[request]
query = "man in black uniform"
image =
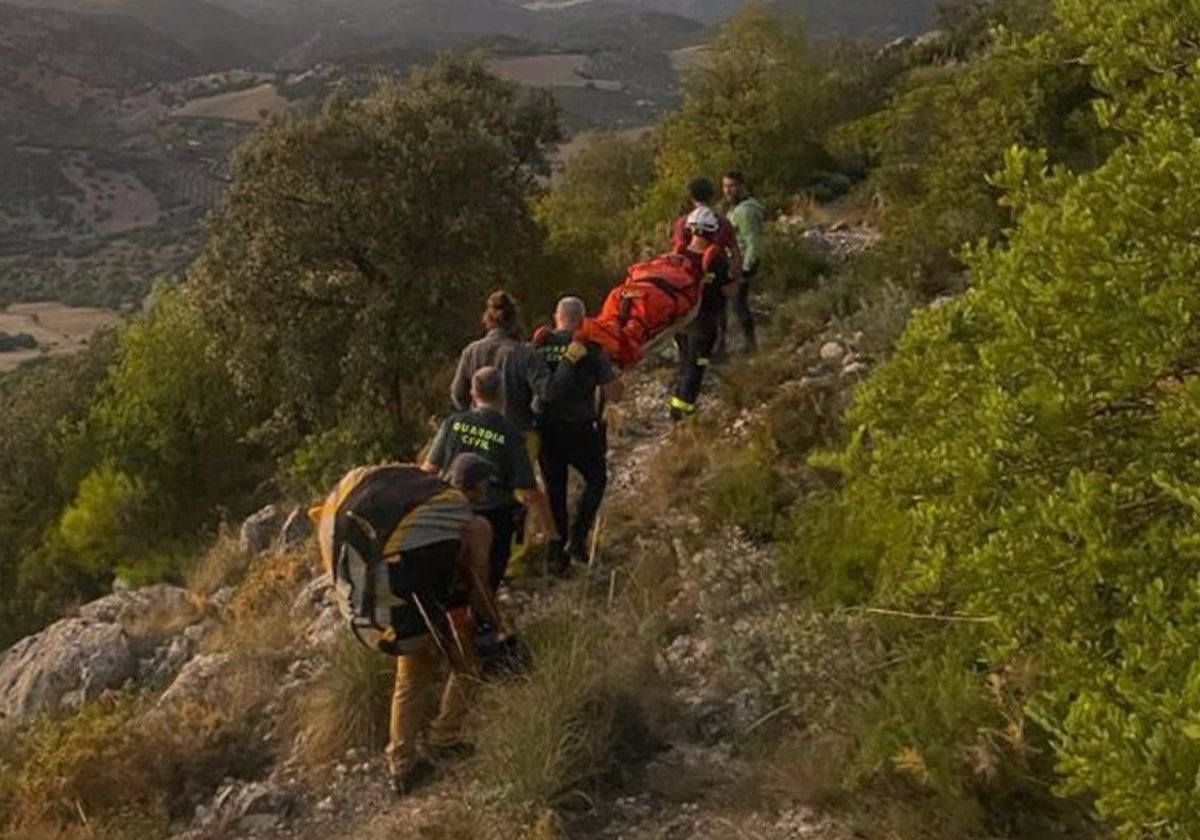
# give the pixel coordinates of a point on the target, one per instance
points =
(571, 427)
(485, 431)
(695, 344)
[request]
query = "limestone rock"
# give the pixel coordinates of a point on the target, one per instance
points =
(297, 527)
(248, 806)
(198, 679)
(147, 615)
(69, 662)
(259, 530)
(831, 351)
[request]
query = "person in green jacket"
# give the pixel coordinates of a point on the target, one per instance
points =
(746, 214)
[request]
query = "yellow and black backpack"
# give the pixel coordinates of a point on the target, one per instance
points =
(388, 600)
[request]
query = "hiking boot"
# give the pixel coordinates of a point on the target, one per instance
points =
(578, 555)
(446, 753)
(556, 558)
(417, 776)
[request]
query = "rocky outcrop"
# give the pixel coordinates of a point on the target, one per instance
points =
(274, 527)
(58, 669)
(129, 635)
(296, 528)
(314, 610)
(245, 807)
(260, 529)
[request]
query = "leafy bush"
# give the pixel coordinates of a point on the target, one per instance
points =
(588, 216)
(948, 127)
(743, 489)
(1023, 470)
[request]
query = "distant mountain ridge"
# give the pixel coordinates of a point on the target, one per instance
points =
(94, 50)
(851, 18)
(263, 34)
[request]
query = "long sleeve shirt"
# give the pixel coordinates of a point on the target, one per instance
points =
(748, 220)
(525, 373)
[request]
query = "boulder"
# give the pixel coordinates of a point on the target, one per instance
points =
(248, 806)
(147, 615)
(69, 662)
(197, 680)
(164, 663)
(296, 529)
(259, 530)
(315, 609)
(831, 351)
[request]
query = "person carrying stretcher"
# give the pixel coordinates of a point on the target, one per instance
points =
(657, 298)
(695, 343)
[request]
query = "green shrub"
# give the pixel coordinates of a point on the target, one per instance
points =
(743, 489)
(1022, 480)
(792, 266)
(120, 766)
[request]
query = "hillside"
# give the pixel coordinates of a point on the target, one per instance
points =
(218, 37)
(873, 19)
(117, 116)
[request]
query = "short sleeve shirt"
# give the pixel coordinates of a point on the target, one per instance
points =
(489, 434)
(576, 399)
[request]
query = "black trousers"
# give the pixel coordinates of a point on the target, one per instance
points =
(741, 309)
(582, 447)
(504, 522)
(695, 346)
(425, 575)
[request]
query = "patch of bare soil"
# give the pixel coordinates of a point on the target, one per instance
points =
(57, 328)
(551, 70)
(253, 105)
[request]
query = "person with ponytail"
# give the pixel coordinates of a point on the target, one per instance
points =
(527, 383)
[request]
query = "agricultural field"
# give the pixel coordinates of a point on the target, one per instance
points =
(253, 105)
(548, 70)
(57, 328)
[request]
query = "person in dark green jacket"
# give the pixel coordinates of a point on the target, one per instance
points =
(747, 215)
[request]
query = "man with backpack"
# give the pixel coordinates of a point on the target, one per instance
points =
(487, 432)
(407, 555)
(526, 381)
(746, 215)
(571, 425)
(695, 344)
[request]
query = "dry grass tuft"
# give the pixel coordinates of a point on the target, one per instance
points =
(346, 706)
(223, 564)
(260, 613)
(583, 709)
(123, 768)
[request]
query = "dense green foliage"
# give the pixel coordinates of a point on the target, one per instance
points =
(1024, 468)
(340, 274)
(335, 269)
